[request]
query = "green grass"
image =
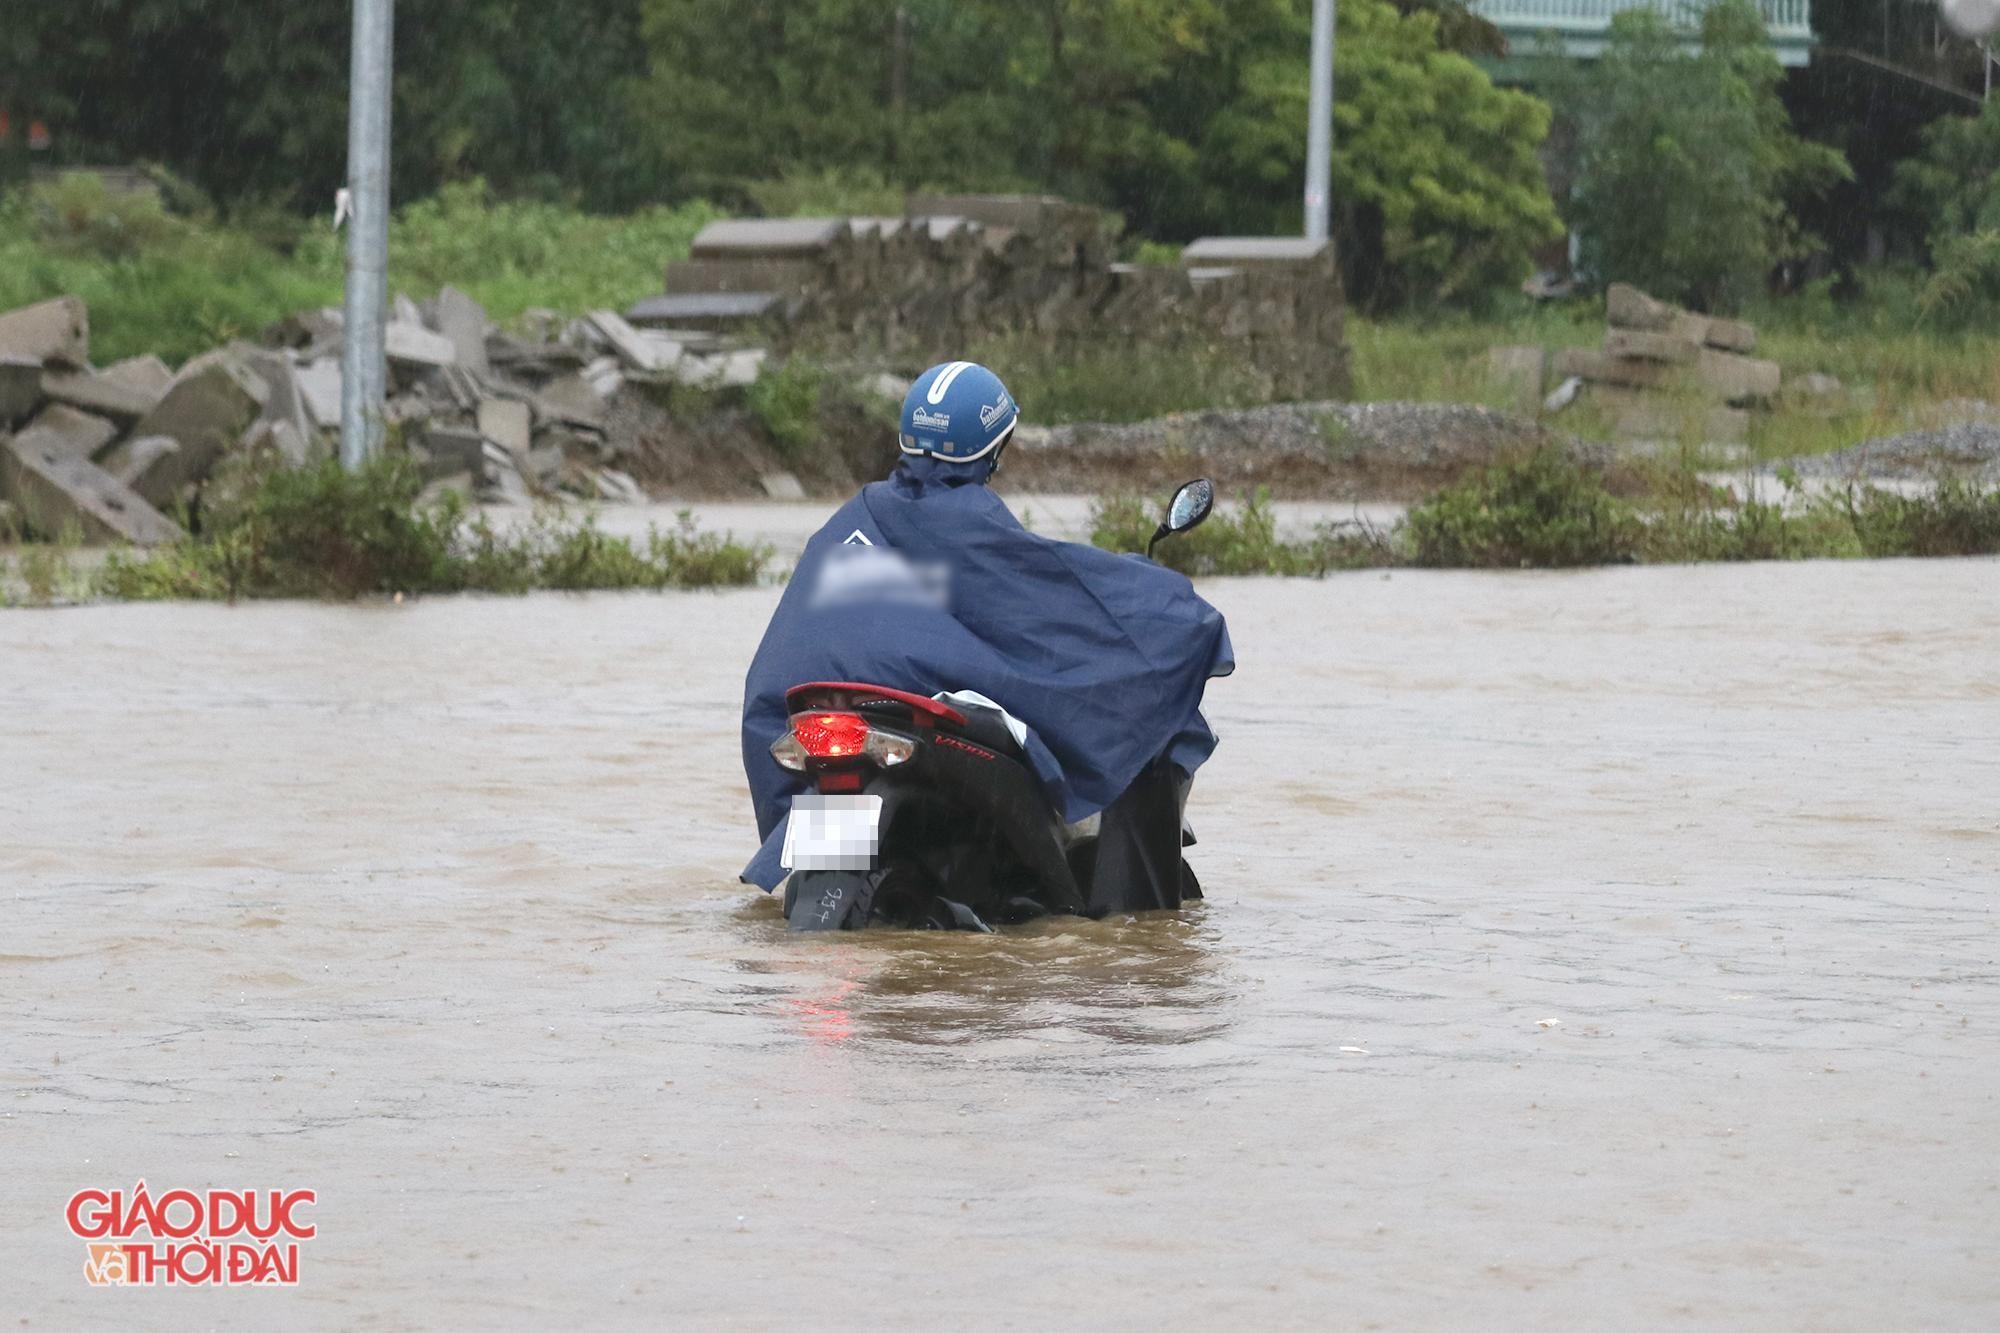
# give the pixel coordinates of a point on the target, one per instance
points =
(1116, 381)
(1543, 510)
(175, 286)
(1893, 363)
(322, 532)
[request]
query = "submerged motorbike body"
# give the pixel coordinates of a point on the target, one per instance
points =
(927, 814)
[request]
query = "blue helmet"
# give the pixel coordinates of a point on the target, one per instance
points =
(959, 412)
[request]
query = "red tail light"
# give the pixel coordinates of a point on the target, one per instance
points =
(831, 735)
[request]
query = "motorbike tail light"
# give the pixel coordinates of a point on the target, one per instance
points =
(839, 736)
(831, 735)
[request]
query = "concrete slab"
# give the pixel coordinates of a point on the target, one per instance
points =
(455, 449)
(766, 236)
(412, 344)
(1737, 380)
(147, 373)
(1626, 307)
(53, 491)
(724, 371)
(463, 321)
(1731, 335)
(703, 307)
(570, 400)
(1646, 345)
(20, 388)
(137, 459)
(69, 431)
(750, 274)
(1213, 251)
(634, 348)
(782, 486)
(509, 424)
(286, 403)
(57, 330)
(211, 403)
(98, 395)
(1593, 366)
(318, 384)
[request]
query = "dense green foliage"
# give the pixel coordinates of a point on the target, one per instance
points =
(1954, 185)
(1187, 115)
(325, 532)
(250, 100)
(1683, 163)
(1540, 512)
(176, 286)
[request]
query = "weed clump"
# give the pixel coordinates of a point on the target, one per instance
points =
(1243, 542)
(1542, 511)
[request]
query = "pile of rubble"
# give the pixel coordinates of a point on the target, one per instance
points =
(1658, 365)
(112, 452)
(956, 268)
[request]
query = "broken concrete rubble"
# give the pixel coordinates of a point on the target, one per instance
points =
(207, 409)
(57, 331)
(98, 394)
(463, 320)
(1692, 365)
(54, 491)
(147, 373)
(134, 461)
(414, 345)
(69, 432)
(509, 424)
(318, 384)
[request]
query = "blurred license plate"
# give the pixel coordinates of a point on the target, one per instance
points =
(832, 833)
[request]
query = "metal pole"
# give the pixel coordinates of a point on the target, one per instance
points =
(1319, 124)
(363, 371)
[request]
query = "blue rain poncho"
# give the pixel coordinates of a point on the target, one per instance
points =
(926, 582)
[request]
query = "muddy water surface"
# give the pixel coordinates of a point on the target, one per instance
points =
(1609, 948)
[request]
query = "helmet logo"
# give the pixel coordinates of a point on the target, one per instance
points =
(925, 420)
(942, 384)
(994, 411)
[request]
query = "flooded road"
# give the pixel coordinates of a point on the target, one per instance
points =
(1581, 949)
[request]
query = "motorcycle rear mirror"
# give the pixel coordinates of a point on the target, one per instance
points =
(1190, 505)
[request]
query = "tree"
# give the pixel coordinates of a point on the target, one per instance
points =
(1189, 116)
(250, 101)
(1683, 163)
(1954, 185)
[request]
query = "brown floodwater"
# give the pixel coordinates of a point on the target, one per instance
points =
(1586, 949)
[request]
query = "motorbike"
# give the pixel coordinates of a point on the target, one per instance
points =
(925, 812)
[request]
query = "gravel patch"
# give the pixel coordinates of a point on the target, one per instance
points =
(1326, 450)
(1966, 446)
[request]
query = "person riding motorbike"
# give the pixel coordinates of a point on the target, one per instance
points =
(927, 582)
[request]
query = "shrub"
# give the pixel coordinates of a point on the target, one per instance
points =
(1541, 511)
(1683, 163)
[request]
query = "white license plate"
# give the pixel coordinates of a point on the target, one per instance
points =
(832, 833)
